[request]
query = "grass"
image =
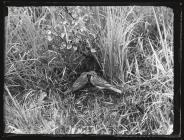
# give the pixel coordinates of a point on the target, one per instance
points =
(132, 45)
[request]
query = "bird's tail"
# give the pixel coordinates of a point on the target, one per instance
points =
(67, 91)
(111, 87)
(115, 89)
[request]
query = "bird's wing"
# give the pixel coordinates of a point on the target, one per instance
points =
(115, 89)
(80, 82)
(96, 80)
(103, 84)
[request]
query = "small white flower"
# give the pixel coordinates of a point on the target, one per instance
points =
(65, 22)
(49, 38)
(49, 32)
(93, 50)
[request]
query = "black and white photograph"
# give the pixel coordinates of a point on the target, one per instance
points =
(92, 70)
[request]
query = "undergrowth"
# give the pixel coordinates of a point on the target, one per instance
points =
(47, 48)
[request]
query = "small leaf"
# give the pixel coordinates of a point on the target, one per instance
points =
(75, 15)
(42, 96)
(75, 48)
(62, 35)
(83, 29)
(63, 45)
(48, 32)
(69, 46)
(65, 22)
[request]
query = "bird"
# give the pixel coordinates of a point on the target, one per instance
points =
(81, 81)
(101, 83)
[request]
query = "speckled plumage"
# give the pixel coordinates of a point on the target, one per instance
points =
(81, 81)
(101, 83)
(94, 79)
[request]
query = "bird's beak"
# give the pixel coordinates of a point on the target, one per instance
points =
(88, 76)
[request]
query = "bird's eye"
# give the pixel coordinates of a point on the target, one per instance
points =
(92, 72)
